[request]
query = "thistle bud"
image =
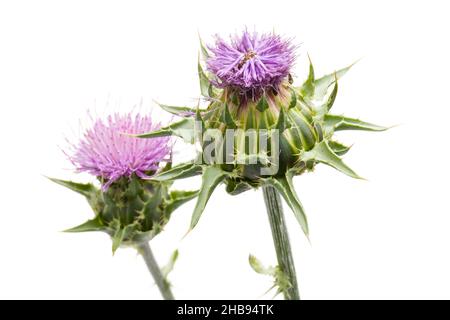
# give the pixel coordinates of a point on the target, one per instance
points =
(259, 128)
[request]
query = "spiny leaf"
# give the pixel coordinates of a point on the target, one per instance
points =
(203, 79)
(293, 101)
(236, 187)
(308, 88)
(182, 194)
(333, 94)
(183, 129)
(90, 225)
(86, 189)
(178, 198)
(212, 177)
(167, 269)
(324, 154)
(322, 84)
(178, 111)
(199, 127)
(338, 123)
(281, 125)
(258, 267)
(228, 119)
(262, 104)
(203, 50)
(181, 171)
(281, 281)
(117, 238)
(286, 188)
(211, 91)
(153, 203)
(304, 129)
(338, 148)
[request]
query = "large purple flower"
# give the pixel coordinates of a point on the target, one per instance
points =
(251, 61)
(107, 152)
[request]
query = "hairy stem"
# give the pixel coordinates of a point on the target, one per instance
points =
(281, 240)
(164, 287)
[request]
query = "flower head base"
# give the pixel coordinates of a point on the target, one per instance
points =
(251, 62)
(131, 211)
(107, 152)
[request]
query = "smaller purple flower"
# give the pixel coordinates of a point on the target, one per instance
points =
(251, 61)
(107, 152)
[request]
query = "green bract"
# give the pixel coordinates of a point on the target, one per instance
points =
(132, 211)
(297, 117)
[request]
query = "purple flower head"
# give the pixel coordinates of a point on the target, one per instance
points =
(106, 151)
(251, 61)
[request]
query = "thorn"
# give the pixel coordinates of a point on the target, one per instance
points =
(187, 233)
(395, 126)
(357, 60)
(309, 239)
(131, 135)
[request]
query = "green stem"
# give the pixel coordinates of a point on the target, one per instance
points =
(281, 240)
(164, 287)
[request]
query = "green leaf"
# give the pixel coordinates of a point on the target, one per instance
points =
(281, 281)
(117, 238)
(322, 84)
(338, 148)
(178, 198)
(203, 50)
(324, 154)
(332, 96)
(183, 129)
(303, 128)
(204, 81)
(152, 203)
(167, 269)
(235, 187)
(199, 127)
(178, 111)
(89, 226)
(293, 101)
(85, 189)
(228, 119)
(286, 188)
(281, 125)
(308, 88)
(211, 91)
(258, 267)
(262, 105)
(212, 177)
(181, 171)
(338, 123)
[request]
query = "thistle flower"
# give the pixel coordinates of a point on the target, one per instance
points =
(128, 207)
(251, 62)
(252, 98)
(108, 153)
(297, 117)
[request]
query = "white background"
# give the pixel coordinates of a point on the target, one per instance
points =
(388, 237)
